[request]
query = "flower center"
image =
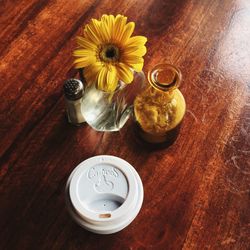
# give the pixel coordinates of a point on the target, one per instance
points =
(109, 53)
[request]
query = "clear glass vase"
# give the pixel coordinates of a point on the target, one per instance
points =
(110, 111)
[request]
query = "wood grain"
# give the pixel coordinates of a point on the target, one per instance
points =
(196, 191)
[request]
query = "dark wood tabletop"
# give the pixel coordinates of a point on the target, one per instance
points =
(196, 191)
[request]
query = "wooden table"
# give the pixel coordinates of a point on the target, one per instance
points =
(196, 191)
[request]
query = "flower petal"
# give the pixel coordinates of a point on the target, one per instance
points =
(132, 59)
(84, 61)
(92, 71)
(92, 31)
(125, 74)
(137, 67)
(119, 25)
(83, 52)
(107, 78)
(102, 78)
(136, 41)
(104, 33)
(110, 22)
(85, 43)
(112, 79)
(136, 51)
(106, 27)
(129, 29)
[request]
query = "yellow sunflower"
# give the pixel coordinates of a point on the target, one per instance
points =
(108, 53)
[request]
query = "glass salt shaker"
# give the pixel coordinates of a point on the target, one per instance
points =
(73, 93)
(160, 107)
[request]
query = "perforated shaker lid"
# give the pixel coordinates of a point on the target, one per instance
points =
(105, 194)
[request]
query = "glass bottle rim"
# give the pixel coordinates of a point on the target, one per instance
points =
(153, 77)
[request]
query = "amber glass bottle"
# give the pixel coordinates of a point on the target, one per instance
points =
(160, 107)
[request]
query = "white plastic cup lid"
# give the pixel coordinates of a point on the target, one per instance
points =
(104, 194)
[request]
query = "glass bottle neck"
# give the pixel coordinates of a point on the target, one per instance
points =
(164, 77)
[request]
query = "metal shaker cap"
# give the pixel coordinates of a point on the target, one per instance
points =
(73, 89)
